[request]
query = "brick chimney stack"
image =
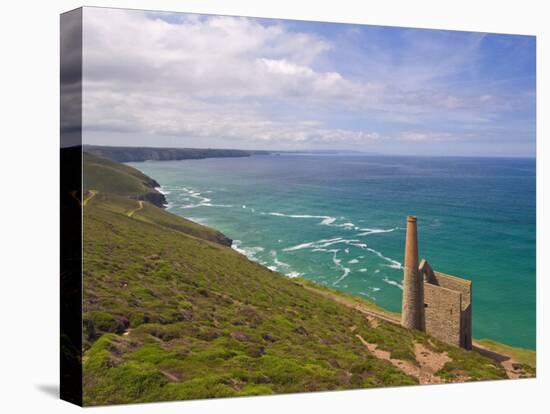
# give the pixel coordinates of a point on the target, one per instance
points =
(412, 315)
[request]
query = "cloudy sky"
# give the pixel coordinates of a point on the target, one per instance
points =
(184, 80)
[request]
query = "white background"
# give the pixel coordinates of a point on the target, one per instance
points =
(29, 208)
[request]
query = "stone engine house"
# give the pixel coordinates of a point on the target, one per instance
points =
(434, 302)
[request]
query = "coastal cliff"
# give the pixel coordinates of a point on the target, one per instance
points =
(118, 182)
(172, 312)
(136, 154)
(111, 177)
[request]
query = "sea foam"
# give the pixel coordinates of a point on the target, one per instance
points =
(249, 252)
(393, 283)
(394, 264)
(367, 231)
(325, 220)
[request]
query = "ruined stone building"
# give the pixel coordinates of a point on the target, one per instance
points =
(434, 302)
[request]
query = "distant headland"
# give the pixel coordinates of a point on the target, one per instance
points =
(137, 154)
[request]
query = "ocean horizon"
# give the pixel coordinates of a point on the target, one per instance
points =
(339, 220)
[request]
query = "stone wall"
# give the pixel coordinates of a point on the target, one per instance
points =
(466, 328)
(454, 283)
(448, 307)
(447, 299)
(443, 313)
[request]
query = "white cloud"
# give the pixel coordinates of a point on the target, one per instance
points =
(248, 80)
(191, 119)
(423, 136)
(212, 56)
(196, 78)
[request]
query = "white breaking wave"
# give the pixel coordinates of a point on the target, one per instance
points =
(373, 290)
(352, 261)
(393, 283)
(363, 270)
(368, 295)
(343, 276)
(314, 244)
(325, 220)
(323, 243)
(394, 264)
(346, 270)
(347, 226)
(367, 231)
(328, 220)
(162, 190)
(277, 261)
(249, 252)
(198, 220)
(331, 221)
(202, 201)
(217, 205)
(196, 195)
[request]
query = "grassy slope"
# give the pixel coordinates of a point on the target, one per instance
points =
(522, 355)
(120, 184)
(111, 177)
(170, 313)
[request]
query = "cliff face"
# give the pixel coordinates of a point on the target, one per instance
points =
(154, 197)
(136, 154)
(121, 184)
(101, 161)
(107, 176)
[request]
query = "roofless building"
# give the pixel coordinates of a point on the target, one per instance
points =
(434, 302)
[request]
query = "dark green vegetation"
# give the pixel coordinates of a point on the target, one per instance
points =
(107, 176)
(171, 312)
(129, 154)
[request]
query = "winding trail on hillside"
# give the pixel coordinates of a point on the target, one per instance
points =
(131, 213)
(92, 195)
(358, 307)
(514, 369)
(506, 361)
(429, 362)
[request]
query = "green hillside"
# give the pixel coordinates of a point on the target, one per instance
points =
(171, 312)
(108, 176)
(128, 154)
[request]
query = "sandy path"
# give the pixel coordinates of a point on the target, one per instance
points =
(92, 193)
(512, 372)
(511, 365)
(357, 307)
(429, 362)
(506, 361)
(131, 213)
(87, 199)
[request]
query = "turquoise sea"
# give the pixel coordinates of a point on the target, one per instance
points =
(339, 220)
